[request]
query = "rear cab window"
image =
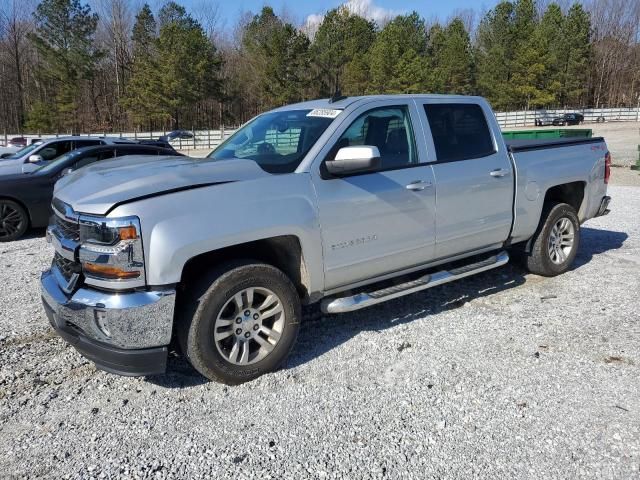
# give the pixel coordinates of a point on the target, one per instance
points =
(460, 131)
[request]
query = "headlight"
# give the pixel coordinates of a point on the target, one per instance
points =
(111, 252)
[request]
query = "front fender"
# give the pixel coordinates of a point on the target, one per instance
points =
(179, 226)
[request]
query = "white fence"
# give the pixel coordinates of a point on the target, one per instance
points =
(202, 140)
(526, 118)
(209, 139)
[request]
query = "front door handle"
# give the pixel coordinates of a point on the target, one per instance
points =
(418, 185)
(499, 172)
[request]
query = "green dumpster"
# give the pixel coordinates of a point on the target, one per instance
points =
(548, 133)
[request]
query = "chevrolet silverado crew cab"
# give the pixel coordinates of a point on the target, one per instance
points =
(348, 203)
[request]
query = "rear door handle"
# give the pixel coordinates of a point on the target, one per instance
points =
(499, 172)
(418, 185)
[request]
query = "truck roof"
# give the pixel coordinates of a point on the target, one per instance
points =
(347, 101)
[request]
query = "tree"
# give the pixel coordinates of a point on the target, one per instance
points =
(548, 37)
(15, 28)
(278, 59)
(143, 97)
(528, 69)
(397, 56)
(64, 38)
(574, 63)
(495, 55)
(451, 56)
(339, 49)
(188, 64)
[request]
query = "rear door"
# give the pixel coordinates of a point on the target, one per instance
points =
(473, 175)
(377, 222)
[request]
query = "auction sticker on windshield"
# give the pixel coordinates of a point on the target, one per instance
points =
(324, 112)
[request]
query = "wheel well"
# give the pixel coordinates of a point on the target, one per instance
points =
(571, 193)
(3, 197)
(283, 252)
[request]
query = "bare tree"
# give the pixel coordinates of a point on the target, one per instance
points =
(15, 26)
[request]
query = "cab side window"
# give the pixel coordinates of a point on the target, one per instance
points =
(460, 131)
(54, 150)
(389, 129)
(107, 154)
(87, 143)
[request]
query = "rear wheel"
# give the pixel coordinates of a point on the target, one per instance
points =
(556, 242)
(13, 221)
(241, 323)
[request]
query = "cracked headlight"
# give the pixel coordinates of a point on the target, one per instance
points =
(111, 252)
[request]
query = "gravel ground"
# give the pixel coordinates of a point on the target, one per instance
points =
(502, 375)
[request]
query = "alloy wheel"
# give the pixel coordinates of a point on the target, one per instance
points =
(249, 326)
(561, 240)
(10, 220)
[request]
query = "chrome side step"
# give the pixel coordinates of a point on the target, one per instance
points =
(366, 299)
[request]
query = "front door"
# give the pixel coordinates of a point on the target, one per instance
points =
(377, 222)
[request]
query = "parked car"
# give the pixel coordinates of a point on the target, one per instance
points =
(568, 119)
(329, 202)
(40, 153)
(176, 135)
(17, 142)
(543, 121)
(25, 199)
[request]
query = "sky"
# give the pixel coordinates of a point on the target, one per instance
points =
(311, 11)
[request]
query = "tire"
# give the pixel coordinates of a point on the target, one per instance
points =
(214, 332)
(550, 254)
(14, 220)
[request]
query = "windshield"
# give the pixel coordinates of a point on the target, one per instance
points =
(23, 151)
(276, 141)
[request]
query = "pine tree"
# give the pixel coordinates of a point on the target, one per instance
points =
(64, 39)
(529, 70)
(576, 55)
(339, 49)
(278, 57)
(401, 43)
(144, 92)
(495, 55)
(548, 37)
(451, 59)
(188, 63)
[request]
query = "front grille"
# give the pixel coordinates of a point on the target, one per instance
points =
(67, 267)
(68, 228)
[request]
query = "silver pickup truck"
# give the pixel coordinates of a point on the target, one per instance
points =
(348, 203)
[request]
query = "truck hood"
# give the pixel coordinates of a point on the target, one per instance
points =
(98, 188)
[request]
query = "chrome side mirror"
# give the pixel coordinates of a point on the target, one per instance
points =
(358, 159)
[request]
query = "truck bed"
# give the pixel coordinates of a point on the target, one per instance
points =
(521, 145)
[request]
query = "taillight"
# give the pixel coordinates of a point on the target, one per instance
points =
(607, 167)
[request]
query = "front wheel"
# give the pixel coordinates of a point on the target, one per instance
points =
(556, 242)
(241, 323)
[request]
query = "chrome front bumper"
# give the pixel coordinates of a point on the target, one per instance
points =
(125, 333)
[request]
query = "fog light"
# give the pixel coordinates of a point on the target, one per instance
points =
(100, 317)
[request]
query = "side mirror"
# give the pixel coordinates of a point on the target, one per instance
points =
(358, 159)
(35, 159)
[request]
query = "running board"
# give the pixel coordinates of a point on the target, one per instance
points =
(366, 299)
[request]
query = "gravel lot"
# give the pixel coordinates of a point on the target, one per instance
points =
(503, 375)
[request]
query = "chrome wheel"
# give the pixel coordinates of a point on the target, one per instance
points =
(561, 240)
(11, 220)
(249, 326)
